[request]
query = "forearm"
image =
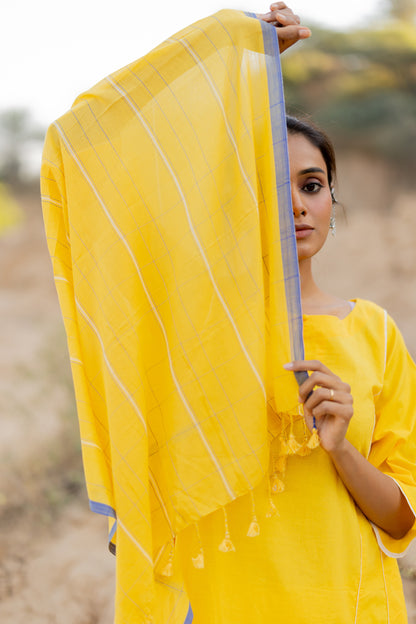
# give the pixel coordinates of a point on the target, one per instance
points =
(376, 494)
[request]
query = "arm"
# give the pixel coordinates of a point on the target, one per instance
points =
(376, 494)
(289, 28)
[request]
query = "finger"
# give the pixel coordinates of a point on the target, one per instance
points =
(323, 380)
(286, 18)
(281, 18)
(307, 388)
(312, 397)
(278, 6)
(321, 395)
(335, 410)
(307, 365)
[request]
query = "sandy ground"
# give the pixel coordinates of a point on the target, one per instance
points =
(54, 564)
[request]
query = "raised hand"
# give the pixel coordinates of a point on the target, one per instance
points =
(328, 400)
(289, 28)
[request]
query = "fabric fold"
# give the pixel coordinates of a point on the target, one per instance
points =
(166, 200)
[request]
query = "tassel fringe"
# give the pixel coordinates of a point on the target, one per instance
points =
(272, 509)
(254, 528)
(293, 445)
(226, 544)
(288, 445)
(199, 561)
(168, 569)
(313, 441)
(277, 485)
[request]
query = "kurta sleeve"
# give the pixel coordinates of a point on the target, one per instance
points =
(393, 448)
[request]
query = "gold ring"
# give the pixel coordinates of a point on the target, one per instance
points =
(331, 394)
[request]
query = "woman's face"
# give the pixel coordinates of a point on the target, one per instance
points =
(311, 195)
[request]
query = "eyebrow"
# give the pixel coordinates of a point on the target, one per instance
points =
(312, 170)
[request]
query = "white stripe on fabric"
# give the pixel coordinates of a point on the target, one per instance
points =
(191, 226)
(361, 577)
(76, 361)
(135, 542)
(158, 556)
(110, 368)
(88, 443)
(161, 501)
(220, 104)
(130, 252)
(385, 590)
(46, 198)
(58, 278)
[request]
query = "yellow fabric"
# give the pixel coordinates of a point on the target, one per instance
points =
(318, 560)
(161, 210)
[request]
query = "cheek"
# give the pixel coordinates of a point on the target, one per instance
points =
(323, 211)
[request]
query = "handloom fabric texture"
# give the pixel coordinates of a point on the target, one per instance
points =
(319, 559)
(166, 202)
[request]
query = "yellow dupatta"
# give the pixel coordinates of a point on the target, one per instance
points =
(166, 202)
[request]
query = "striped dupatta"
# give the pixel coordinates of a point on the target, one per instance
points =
(166, 201)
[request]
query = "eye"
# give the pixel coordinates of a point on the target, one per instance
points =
(312, 187)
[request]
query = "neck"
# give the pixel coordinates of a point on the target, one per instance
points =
(309, 290)
(315, 300)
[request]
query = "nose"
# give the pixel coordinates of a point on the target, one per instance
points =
(298, 206)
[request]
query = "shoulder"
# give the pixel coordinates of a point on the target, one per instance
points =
(369, 309)
(370, 319)
(382, 330)
(378, 328)
(375, 315)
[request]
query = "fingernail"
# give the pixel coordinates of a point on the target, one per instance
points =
(288, 366)
(304, 32)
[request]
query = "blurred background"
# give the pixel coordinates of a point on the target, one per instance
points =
(356, 77)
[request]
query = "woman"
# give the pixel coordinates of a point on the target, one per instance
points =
(333, 569)
(345, 509)
(167, 260)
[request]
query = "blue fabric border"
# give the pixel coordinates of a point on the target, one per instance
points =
(189, 616)
(281, 158)
(105, 510)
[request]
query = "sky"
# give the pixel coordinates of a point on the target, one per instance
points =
(50, 51)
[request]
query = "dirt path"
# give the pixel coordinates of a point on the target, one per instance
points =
(65, 577)
(54, 564)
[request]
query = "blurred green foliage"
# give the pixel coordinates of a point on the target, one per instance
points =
(18, 134)
(360, 86)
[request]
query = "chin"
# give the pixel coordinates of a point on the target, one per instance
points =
(306, 250)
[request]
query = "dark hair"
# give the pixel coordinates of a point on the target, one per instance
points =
(319, 139)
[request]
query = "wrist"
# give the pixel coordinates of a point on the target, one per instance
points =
(337, 450)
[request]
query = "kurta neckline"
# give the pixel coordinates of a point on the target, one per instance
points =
(307, 317)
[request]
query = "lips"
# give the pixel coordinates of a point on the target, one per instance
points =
(303, 226)
(303, 230)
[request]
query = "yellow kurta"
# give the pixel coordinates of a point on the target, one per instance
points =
(318, 560)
